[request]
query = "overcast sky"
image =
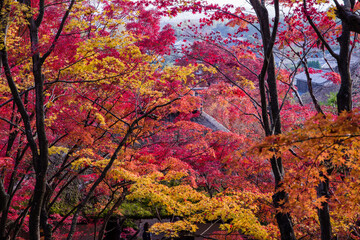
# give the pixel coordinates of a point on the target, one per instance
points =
(182, 16)
(233, 2)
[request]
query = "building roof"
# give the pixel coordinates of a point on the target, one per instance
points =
(317, 78)
(210, 122)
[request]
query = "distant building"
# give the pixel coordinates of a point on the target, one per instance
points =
(209, 122)
(317, 80)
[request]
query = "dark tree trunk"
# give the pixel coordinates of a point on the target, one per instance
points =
(344, 102)
(38, 159)
(348, 17)
(41, 162)
(344, 96)
(110, 213)
(344, 99)
(273, 113)
(323, 212)
(47, 228)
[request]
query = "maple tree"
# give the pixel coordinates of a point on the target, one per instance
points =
(209, 182)
(71, 108)
(86, 103)
(267, 86)
(333, 157)
(344, 96)
(227, 71)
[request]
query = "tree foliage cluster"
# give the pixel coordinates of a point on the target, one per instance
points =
(94, 119)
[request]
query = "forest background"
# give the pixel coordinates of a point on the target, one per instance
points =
(99, 102)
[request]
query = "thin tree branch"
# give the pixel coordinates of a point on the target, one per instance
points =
(318, 33)
(62, 24)
(229, 79)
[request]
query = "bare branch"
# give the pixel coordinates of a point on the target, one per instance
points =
(229, 79)
(309, 83)
(318, 33)
(62, 24)
(13, 124)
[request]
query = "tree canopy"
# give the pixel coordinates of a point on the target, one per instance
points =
(103, 107)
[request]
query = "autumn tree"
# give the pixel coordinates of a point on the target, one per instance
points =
(266, 81)
(39, 147)
(86, 103)
(326, 145)
(210, 184)
(344, 96)
(77, 91)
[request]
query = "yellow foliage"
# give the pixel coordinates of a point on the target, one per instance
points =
(172, 229)
(236, 209)
(57, 150)
(175, 175)
(331, 13)
(100, 118)
(81, 163)
(123, 174)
